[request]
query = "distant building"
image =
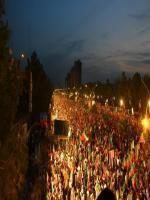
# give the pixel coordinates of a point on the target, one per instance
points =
(74, 76)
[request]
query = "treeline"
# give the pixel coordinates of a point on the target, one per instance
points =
(134, 91)
(14, 95)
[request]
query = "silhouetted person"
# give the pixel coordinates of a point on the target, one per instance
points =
(106, 194)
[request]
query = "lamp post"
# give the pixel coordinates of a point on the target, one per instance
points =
(24, 56)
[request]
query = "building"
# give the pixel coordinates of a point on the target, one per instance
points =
(73, 78)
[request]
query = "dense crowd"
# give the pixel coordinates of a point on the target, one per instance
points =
(104, 149)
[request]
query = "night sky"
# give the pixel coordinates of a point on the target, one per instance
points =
(108, 36)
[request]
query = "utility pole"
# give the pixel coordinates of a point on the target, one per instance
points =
(23, 56)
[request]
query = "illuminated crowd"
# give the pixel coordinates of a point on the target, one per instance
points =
(104, 149)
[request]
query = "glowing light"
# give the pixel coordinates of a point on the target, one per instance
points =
(93, 103)
(121, 102)
(69, 132)
(106, 102)
(132, 110)
(146, 123)
(149, 103)
(62, 156)
(22, 55)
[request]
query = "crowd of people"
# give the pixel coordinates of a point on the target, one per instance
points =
(105, 149)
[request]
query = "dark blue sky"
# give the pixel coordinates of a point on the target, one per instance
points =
(109, 36)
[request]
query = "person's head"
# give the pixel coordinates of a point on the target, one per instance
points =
(106, 194)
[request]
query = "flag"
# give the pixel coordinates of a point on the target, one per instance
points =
(111, 141)
(112, 153)
(84, 137)
(142, 140)
(134, 181)
(132, 170)
(137, 150)
(132, 145)
(126, 162)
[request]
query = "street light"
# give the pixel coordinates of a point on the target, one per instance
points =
(22, 56)
(145, 123)
(121, 103)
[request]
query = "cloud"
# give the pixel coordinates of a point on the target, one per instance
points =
(110, 66)
(131, 61)
(143, 31)
(145, 43)
(74, 46)
(132, 55)
(104, 36)
(59, 63)
(91, 57)
(133, 66)
(146, 62)
(95, 66)
(144, 15)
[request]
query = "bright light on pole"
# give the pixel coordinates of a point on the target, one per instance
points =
(22, 55)
(121, 103)
(145, 123)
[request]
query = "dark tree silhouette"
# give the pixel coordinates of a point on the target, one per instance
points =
(10, 80)
(42, 86)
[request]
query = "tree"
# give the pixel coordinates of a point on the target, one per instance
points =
(1, 8)
(42, 86)
(10, 79)
(13, 151)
